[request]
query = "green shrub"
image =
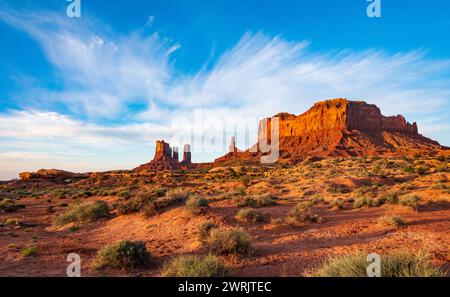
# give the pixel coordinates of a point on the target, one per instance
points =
(193, 266)
(317, 199)
(398, 264)
(8, 205)
(172, 197)
(83, 212)
(249, 215)
(391, 197)
(256, 201)
(411, 201)
(229, 241)
(29, 251)
(15, 222)
(394, 221)
(338, 203)
(361, 202)
(126, 255)
(196, 205)
(161, 192)
(337, 189)
(304, 205)
(205, 230)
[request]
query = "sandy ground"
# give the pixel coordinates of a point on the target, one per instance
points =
(278, 250)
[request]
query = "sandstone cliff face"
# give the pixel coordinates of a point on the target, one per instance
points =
(340, 127)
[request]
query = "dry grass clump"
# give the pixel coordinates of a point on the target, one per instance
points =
(229, 241)
(249, 215)
(205, 230)
(83, 212)
(126, 255)
(301, 214)
(393, 221)
(397, 264)
(337, 203)
(194, 266)
(196, 205)
(410, 200)
(256, 201)
(159, 204)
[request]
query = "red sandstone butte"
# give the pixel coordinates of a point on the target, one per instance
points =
(340, 127)
(166, 158)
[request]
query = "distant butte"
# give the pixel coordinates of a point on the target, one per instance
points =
(340, 127)
(331, 128)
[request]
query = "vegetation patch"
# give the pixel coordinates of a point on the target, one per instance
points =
(205, 230)
(29, 251)
(193, 266)
(256, 201)
(83, 212)
(229, 241)
(393, 221)
(398, 264)
(249, 215)
(125, 255)
(196, 205)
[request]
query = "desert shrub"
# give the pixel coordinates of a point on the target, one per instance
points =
(408, 169)
(196, 205)
(317, 199)
(361, 202)
(256, 201)
(337, 189)
(126, 255)
(277, 221)
(15, 222)
(393, 221)
(304, 205)
(161, 192)
(131, 206)
(229, 241)
(193, 266)
(302, 213)
(249, 215)
(338, 203)
(205, 230)
(398, 264)
(8, 205)
(391, 197)
(172, 197)
(124, 194)
(83, 212)
(410, 200)
(29, 251)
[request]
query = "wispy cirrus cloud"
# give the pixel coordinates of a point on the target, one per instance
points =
(104, 73)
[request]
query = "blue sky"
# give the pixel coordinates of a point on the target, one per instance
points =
(95, 93)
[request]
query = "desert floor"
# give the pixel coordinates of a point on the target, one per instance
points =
(280, 247)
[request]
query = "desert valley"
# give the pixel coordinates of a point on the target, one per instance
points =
(348, 182)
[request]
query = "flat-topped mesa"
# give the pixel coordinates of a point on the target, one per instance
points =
(340, 115)
(343, 127)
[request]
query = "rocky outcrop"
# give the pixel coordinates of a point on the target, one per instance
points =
(340, 127)
(166, 158)
(187, 155)
(50, 174)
